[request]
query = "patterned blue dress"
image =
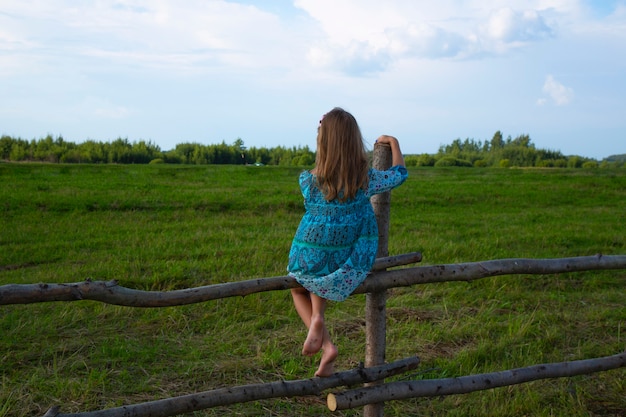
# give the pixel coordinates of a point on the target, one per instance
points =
(336, 243)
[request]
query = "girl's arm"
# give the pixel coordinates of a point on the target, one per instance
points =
(396, 154)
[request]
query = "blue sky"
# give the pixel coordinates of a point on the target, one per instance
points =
(265, 71)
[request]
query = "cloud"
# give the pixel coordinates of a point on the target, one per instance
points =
(356, 58)
(557, 92)
(425, 40)
(375, 54)
(382, 33)
(193, 35)
(352, 37)
(508, 25)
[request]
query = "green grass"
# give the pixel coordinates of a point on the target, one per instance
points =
(160, 227)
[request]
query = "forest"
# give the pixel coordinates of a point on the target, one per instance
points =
(497, 152)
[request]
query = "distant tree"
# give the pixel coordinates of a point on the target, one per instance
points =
(480, 163)
(450, 161)
(523, 141)
(259, 155)
(496, 141)
(199, 155)
(574, 162)
(307, 159)
(239, 149)
(172, 157)
(426, 160)
(184, 151)
(72, 156)
(6, 143)
(18, 152)
(560, 163)
(411, 160)
(93, 152)
(120, 151)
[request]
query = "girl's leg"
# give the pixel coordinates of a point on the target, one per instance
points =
(317, 327)
(327, 364)
(311, 309)
(319, 335)
(302, 302)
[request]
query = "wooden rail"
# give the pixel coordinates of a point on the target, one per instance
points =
(112, 293)
(403, 390)
(245, 393)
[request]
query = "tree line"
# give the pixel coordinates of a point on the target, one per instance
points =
(497, 152)
(122, 151)
(509, 152)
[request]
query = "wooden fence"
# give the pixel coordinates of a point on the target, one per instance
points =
(375, 393)
(110, 292)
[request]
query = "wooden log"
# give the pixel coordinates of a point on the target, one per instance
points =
(402, 390)
(385, 262)
(476, 270)
(376, 302)
(246, 393)
(112, 293)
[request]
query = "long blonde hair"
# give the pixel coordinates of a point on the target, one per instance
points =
(341, 164)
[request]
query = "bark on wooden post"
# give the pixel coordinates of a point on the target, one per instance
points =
(375, 303)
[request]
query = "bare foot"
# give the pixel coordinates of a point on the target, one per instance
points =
(314, 339)
(327, 364)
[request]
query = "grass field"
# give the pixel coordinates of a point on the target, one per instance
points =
(161, 227)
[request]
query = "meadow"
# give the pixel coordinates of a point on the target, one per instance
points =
(164, 227)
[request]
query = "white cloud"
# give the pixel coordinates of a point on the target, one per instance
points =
(181, 35)
(356, 58)
(557, 92)
(425, 40)
(355, 37)
(416, 41)
(508, 26)
(387, 32)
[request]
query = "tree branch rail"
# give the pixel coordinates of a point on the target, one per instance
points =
(112, 293)
(252, 392)
(403, 390)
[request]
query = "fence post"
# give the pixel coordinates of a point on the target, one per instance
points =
(375, 303)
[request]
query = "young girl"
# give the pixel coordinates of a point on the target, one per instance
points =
(336, 243)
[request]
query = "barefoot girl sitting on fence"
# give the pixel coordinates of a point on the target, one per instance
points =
(335, 245)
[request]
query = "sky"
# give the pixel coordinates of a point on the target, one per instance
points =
(213, 71)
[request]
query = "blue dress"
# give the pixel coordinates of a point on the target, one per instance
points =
(336, 242)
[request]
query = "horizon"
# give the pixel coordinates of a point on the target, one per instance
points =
(303, 147)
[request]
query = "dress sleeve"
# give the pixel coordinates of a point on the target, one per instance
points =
(383, 181)
(305, 180)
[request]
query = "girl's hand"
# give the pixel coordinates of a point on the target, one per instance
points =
(396, 154)
(386, 139)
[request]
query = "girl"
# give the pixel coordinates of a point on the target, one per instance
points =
(336, 242)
